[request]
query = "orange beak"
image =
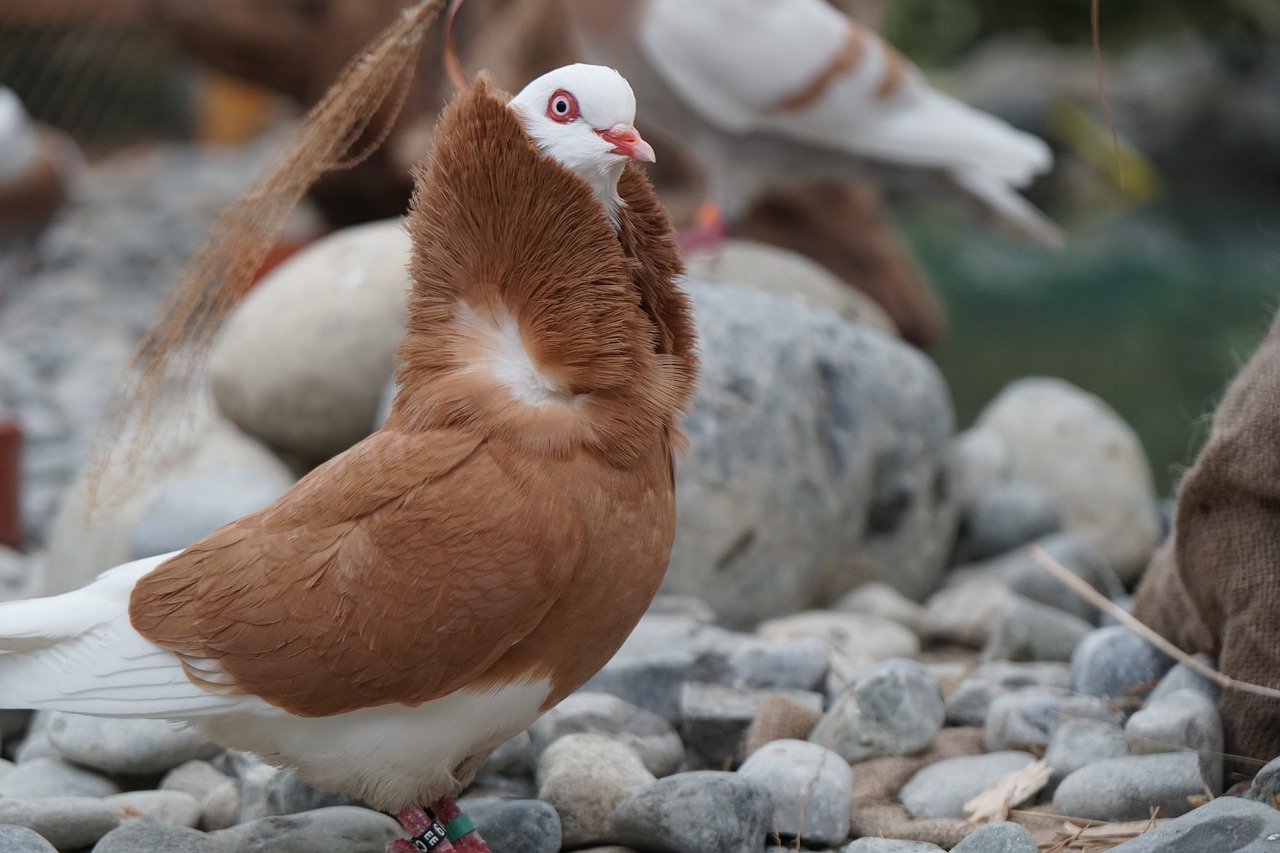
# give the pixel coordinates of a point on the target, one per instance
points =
(627, 142)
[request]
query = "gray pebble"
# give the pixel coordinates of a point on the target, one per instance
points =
(515, 826)
(66, 822)
(1002, 837)
(963, 611)
(350, 829)
(1027, 630)
(696, 813)
(142, 835)
(1183, 677)
(968, 703)
(893, 708)
(220, 809)
(168, 807)
(19, 839)
(513, 755)
(650, 736)
(877, 598)
(266, 791)
(1114, 661)
(1080, 741)
(1183, 719)
(799, 663)
(53, 777)
(690, 606)
(890, 845)
(584, 777)
(197, 778)
(942, 788)
(651, 682)
(812, 789)
(1224, 825)
(126, 747)
(716, 719)
(1005, 516)
(1027, 718)
(1265, 787)
(1128, 788)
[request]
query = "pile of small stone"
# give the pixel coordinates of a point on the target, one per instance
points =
(697, 738)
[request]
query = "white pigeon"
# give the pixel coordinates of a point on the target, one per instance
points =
(449, 549)
(768, 92)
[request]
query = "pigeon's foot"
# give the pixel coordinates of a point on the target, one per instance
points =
(440, 828)
(426, 831)
(462, 832)
(707, 232)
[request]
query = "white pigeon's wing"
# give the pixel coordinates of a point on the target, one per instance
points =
(918, 126)
(78, 652)
(801, 70)
(733, 60)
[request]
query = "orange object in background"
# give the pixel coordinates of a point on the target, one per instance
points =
(231, 111)
(10, 483)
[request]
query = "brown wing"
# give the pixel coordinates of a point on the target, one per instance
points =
(396, 572)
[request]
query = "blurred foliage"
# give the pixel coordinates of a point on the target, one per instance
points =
(1153, 311)
(935, 32)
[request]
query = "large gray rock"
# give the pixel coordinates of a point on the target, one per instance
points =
(789, 275)
(515, 826)
(894, 708)
(819, 460)
(67, 823)
(126, 747)
(19, 839)
(1224, 825)
(350, 829)
(584, 777)
(302, 361)
(1071, 444)
(213, 474)
(695, 813)
(141, 835)
(651, 737)
(1129, 788)
(942, 788)
(52, 777)
(812, 789)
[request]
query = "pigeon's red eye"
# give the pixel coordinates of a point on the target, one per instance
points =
(563, 107)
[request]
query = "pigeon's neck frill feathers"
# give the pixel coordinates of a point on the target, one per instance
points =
(531, 318)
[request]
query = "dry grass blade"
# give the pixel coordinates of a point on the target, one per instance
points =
(1093, 837)
(1126, 619)
(995, 803)
(170, 355)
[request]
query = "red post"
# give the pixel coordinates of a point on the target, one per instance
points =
(10, 483)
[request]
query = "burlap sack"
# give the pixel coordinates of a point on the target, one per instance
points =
(1215, 587)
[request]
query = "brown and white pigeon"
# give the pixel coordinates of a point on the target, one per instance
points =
(774, 92)
(422, 597)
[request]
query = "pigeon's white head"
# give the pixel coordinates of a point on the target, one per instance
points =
(583, 116)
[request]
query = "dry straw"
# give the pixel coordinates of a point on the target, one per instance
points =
(171, 354)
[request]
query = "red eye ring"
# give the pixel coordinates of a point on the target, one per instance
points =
(562, 106)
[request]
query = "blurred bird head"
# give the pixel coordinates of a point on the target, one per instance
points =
(584, 117)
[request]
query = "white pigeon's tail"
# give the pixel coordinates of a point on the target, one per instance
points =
(1012, 208)
(78, 652)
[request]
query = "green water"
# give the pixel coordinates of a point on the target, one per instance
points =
(1152, 310)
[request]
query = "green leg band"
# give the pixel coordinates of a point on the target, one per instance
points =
(459, 827)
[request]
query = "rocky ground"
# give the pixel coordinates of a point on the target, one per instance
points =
(854, 641)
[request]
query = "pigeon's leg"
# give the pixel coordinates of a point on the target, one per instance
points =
(462, 832)
(427, 833)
